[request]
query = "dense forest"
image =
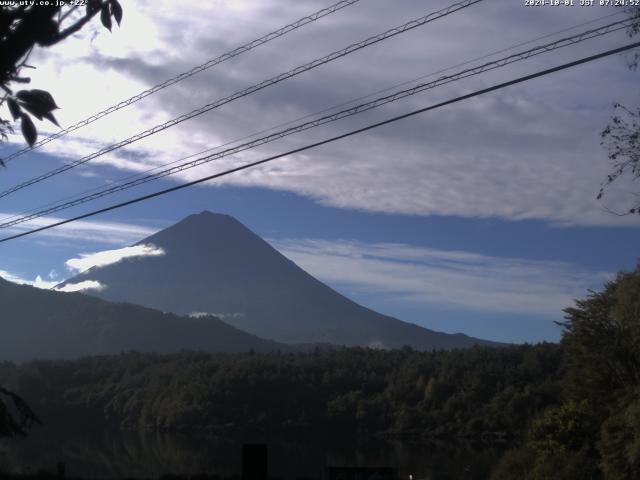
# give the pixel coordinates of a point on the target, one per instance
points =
(569, 411)
(471, 392)
(594, 430)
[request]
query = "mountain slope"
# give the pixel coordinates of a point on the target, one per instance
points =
(213, 263)
(38, 323)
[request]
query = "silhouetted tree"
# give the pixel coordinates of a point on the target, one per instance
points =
(23, 27)
(595, 431)
(16, 417)
(602, 338)
(622, 136)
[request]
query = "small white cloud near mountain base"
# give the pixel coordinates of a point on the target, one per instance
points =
(38, 282)
(222, 315)
(378, 345)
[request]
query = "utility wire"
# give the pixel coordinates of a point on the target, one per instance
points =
(329, 140)
(248, 91)
(310, 115)
(517, 57)
(184, 75)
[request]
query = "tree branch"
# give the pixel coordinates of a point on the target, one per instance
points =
(75, 27)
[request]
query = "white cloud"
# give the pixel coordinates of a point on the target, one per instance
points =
(529, 152)
(38, 282)
(46, 285)
(425, 276)
(82, 263)
(81, 286)
(217, 315)
(10, 277)
(109, 257)
(104, 232)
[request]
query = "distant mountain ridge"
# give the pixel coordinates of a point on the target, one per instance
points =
(44, 324)
(214, 264)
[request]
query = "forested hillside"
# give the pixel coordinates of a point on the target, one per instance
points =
(37, 323)
(475, 392)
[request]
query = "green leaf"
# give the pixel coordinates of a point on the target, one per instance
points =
(29, 131)
(116, 11)
(14, 108)
(105, 16)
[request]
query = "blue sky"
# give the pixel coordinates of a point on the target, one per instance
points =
(479, 218)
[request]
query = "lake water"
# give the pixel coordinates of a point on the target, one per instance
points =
(115, 454)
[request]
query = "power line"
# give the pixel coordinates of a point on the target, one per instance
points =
(329, 140)
(121, 180)
(189, 73)
(499, 63)
(248, 91)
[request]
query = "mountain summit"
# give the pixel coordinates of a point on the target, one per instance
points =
(212, 264)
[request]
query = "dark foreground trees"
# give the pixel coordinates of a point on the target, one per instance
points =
(25, 26)
(16, 417)
(595, 431)
(474, 393)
